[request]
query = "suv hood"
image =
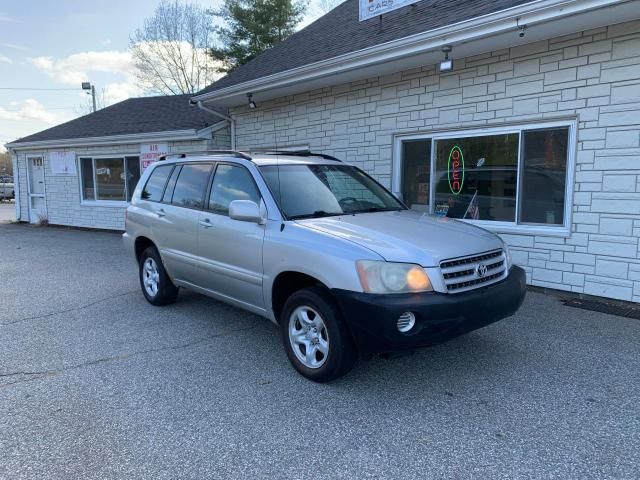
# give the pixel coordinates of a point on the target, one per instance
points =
(408, 236)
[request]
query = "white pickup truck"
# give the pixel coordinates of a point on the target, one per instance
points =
(6, 188)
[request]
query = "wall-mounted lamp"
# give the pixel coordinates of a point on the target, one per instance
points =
(447, 64)
(252, 104)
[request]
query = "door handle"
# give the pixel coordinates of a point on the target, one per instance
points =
(161, 213)
(206, 223)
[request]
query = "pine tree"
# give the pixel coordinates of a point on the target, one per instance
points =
(252, 26)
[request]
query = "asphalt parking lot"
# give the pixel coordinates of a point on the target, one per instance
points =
(96, 383)
(7, 211)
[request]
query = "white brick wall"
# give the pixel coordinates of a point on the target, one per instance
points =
(593, 76)
(63, 192)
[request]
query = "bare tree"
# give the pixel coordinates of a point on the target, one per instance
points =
(170, 49)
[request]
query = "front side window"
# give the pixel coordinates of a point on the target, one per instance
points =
(191, 185)
(109, 179)
(517, 176)
(307, 191)
(231, 183)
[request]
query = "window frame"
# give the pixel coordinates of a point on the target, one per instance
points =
(563, 230)
(104, 203)
(210, 187)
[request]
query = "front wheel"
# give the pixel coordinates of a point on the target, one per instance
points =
(316, 339)
(156, 285)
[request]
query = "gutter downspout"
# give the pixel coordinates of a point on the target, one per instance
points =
(16, 181)
(232, 122)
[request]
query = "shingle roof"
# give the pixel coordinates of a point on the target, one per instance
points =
(340, 32)
(135, 115)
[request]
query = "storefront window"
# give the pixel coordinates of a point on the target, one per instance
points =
(416, 167)
(477, 177)
(544, 174)
(109, 179)
(509, 175)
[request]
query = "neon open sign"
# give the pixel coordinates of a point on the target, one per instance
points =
(456, 170)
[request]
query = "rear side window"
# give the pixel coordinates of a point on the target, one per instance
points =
(191, 185)
(231, 183)
(155, 185)
(168, 191)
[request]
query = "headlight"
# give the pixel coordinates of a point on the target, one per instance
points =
(389, 277)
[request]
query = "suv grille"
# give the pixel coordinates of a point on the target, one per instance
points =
(467, 273)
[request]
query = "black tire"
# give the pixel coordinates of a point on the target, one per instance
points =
(342, 353)
(167, 292)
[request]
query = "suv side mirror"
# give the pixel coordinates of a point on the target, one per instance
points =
(245, 211)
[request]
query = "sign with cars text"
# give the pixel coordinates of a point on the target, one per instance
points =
(373, 8)
(63, 163)
(150, 153)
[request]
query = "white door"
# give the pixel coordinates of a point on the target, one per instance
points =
(37, 202)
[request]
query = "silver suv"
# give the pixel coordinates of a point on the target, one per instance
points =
(319, 248)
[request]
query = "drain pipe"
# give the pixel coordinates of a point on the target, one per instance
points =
(16, 181)
(232, 122)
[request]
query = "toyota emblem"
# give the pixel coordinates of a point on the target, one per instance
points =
(481, 270)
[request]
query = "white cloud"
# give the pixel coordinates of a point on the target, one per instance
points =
(5, 18)
(75, 68)
(116, 92)
(5, 59)
(14, 46)
(29, 109)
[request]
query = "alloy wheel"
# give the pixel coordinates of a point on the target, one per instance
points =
(309, 337)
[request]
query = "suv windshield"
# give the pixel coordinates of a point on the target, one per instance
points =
(308, 191)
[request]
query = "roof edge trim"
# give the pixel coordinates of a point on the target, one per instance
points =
(538, 11)
(189, 134)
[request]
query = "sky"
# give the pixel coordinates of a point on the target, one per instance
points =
(47, 48)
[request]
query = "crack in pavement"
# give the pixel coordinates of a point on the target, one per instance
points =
(44, 373)
(72, 309)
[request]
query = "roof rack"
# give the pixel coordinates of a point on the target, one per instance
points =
(297, 153)
(233, 153)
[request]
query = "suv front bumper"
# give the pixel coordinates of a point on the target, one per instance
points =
(372, 318)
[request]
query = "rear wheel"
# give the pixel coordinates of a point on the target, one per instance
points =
(156, 285)
(316, 340)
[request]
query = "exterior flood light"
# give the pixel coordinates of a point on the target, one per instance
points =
(447, 64)
(252, 104)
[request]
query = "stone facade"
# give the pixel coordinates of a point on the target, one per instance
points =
(63, 203)
(592, 76)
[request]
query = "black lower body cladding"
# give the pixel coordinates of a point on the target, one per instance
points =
(439, 317)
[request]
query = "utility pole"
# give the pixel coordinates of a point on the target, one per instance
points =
(91, 90)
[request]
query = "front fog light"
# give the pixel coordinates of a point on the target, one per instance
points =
(406, 321)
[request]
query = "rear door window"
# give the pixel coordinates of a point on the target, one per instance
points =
(155, 185)
(190, 187)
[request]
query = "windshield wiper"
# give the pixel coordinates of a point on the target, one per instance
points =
(316, 214)
(375, 209)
